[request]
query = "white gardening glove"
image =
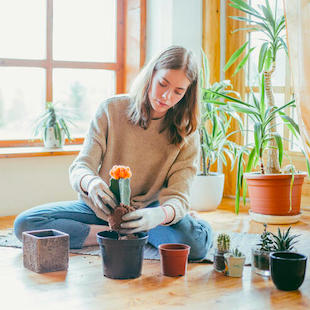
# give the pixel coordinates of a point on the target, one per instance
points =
(101, 196)
(142, 220)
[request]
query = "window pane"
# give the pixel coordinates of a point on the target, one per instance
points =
(82, 90)
(85, 30)
(22, 97)
(23, 29)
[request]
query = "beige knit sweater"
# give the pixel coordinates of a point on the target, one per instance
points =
(160, 171)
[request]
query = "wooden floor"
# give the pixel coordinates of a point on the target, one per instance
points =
(84, 287)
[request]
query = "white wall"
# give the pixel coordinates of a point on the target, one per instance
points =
(172, 22)
(27, 182)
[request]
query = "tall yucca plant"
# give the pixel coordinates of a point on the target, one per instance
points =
(263, 117)
(215, 121)
(272, 27)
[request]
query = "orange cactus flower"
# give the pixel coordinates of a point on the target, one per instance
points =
(120, 172)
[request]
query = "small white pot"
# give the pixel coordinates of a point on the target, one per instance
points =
(51, 141)
(234, 265)
(207, 192)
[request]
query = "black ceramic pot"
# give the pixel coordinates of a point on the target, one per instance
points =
(122, 259)
(287, 270)
(219, 261)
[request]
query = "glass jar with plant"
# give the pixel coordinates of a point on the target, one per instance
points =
(52, 125)
(270, 242)
(282, 187)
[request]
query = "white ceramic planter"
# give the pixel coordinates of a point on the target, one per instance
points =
(234, 265)
(51, 141)
(207, 192)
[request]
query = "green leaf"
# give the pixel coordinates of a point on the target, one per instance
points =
(278, 139)
(257, 137)
(268, 15)
(284, 45)
(235, 56)
(262, 56)
(268, 59)
(250, 161)
(243, 61)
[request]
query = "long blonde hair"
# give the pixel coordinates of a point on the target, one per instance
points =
(182, 119)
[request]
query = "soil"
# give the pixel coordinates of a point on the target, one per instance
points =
(115, 219)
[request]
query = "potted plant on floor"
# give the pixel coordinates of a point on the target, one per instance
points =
(234, 262)
(215, 146)
(269, 242)
(223, 246)
(275, 194)
(122, 255)
(52, 125)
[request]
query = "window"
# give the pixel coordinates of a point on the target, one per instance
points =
(69, 52)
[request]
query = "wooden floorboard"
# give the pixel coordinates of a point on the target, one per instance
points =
(84, 287)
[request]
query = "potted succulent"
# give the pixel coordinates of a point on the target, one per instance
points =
(269, 242)
(223, 246)
(122, 255)
(234, 262)
(52, 125)
(215, 146)
(275, 194)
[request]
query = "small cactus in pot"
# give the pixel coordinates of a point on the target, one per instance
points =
(234, 262)
(223, 246)
(120, 187)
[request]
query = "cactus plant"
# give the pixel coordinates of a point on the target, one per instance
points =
(236, 253)
(223, 242)
(223, 246)
(120, 184)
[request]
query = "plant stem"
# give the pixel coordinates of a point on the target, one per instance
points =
(203, 155)
(272, 152)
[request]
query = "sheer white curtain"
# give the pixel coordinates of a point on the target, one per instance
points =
(297, 14)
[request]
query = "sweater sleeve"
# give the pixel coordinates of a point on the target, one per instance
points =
(180, 177)
(88, 162)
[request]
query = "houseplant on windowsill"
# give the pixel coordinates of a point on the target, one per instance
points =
(52, 125)
(215, 146)
(265, 205)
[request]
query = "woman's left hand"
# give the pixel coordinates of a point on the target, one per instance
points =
(142, 220)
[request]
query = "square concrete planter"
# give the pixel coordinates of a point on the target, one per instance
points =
(45, 250)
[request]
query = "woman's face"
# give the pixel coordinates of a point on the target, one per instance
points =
(167, 88)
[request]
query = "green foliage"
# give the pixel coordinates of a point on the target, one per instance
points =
(215, 121)
(266, 241)
(54, 117)
(272, 28)
(262, 117)
(236, 253)
(282, 241)
(223, 242)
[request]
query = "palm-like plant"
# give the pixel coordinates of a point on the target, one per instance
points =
(264, 120)
(272, 28)
(54, 117)
(215, 121)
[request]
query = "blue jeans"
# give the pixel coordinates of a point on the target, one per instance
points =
(74, 218)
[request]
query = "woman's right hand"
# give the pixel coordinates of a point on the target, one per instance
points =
(101, 196)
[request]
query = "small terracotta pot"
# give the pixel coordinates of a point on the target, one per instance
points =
(173, 259)
(270, 194)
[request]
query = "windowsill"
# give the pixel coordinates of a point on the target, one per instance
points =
(38, 151)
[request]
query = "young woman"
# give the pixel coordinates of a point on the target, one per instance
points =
(153, 131)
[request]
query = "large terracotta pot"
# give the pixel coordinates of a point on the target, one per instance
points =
(270, 194)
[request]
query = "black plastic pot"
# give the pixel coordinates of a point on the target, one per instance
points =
(288, 270)
(122, 259)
